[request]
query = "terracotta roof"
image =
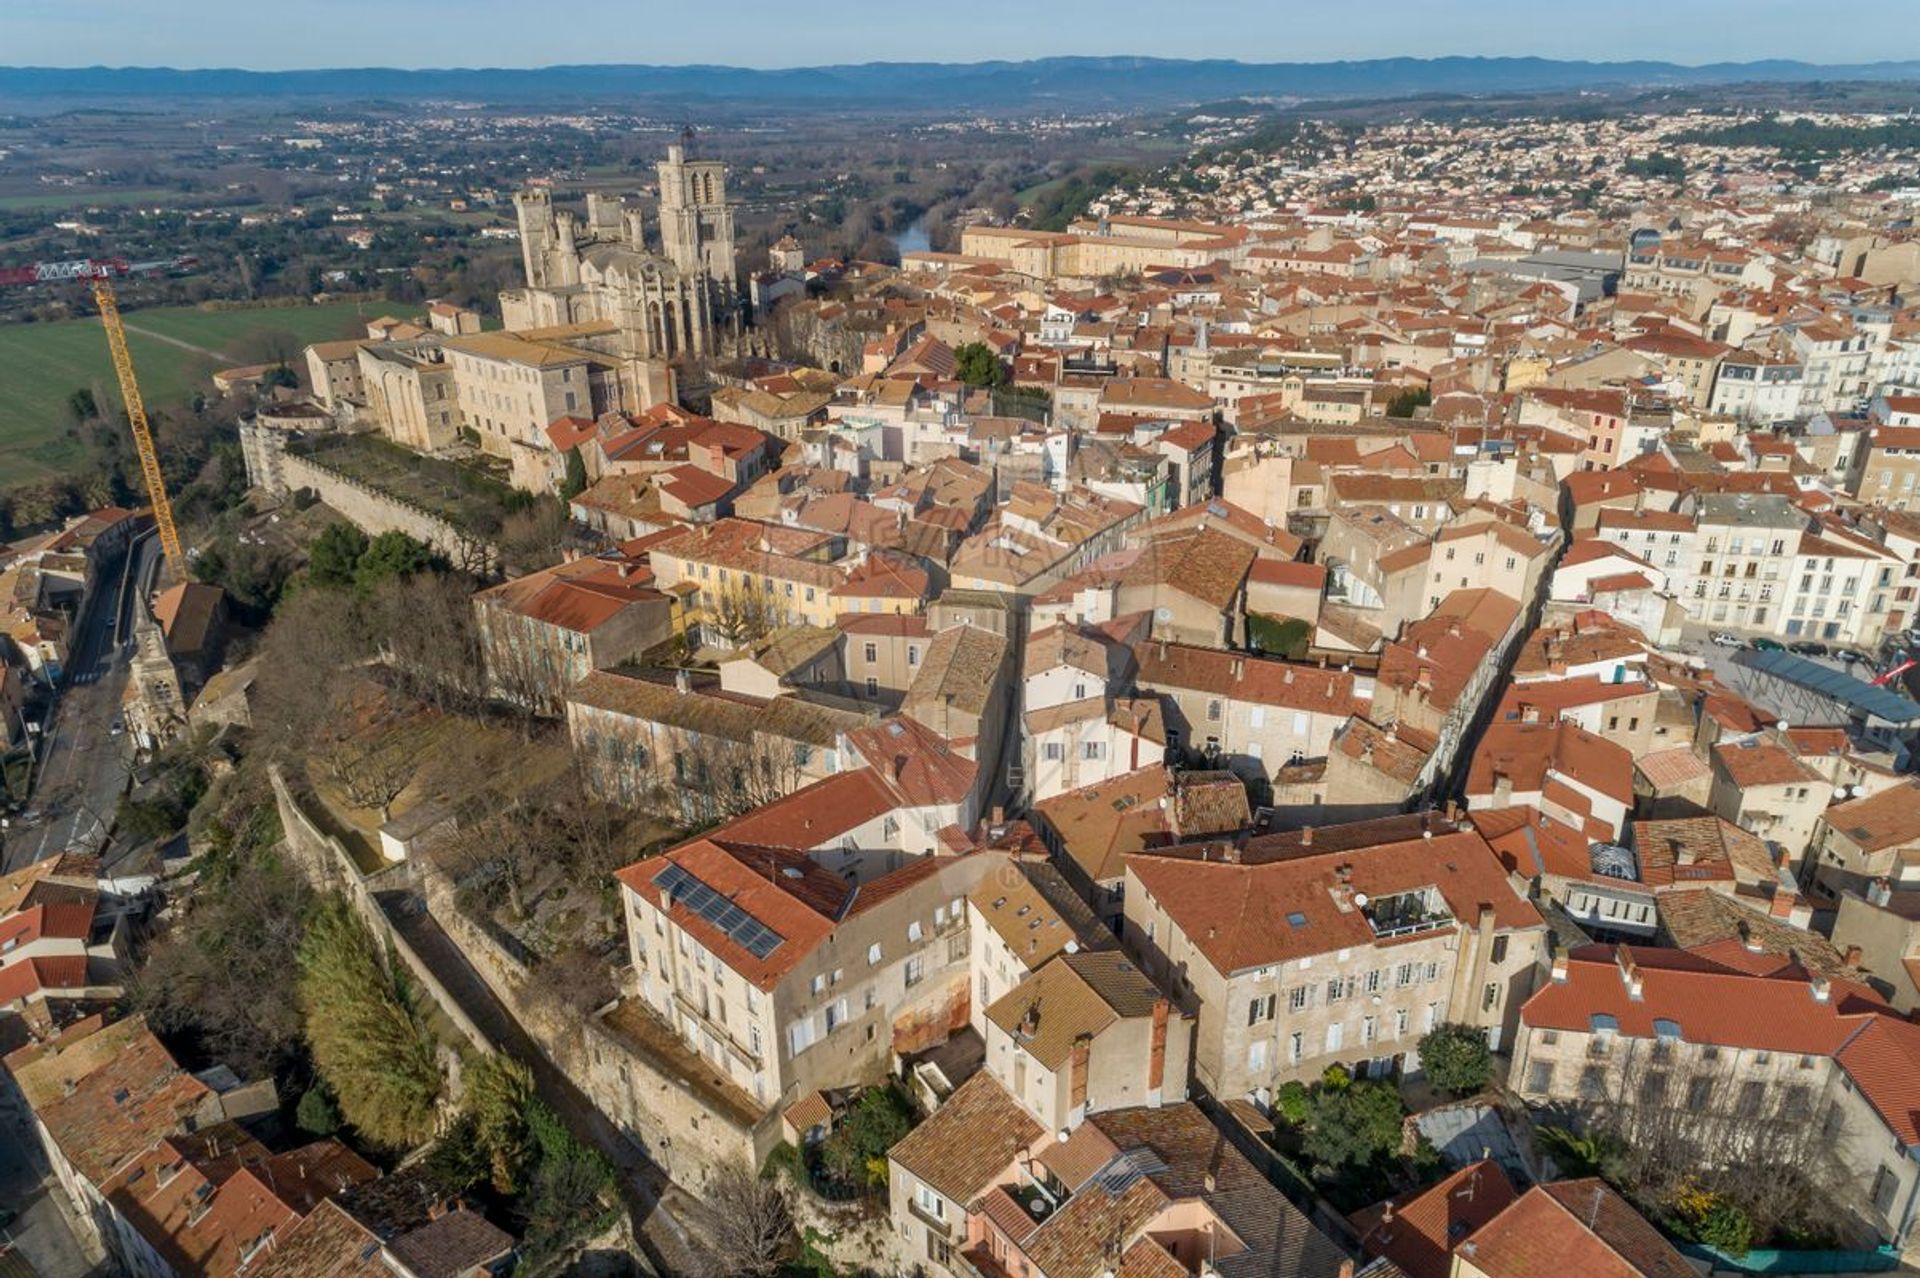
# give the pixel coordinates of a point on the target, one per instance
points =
(1073, 997)
(1246, 679)
(1098, 825)
(1531, 755)
(1876, 822)
(109, 1095)
(327, 1244)
(1250, 912)
(1037, 913)
(1545, 1235)
(1419, 1231)
(1753, 762)
(969, 1141)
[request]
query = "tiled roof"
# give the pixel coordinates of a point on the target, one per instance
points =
(1545, 1235)
(1530, 754)
(1753, 762)
(1037, 913)
(1419, 1232)
(1876, 822)
(1074, 996)
(1249, 913)
(109, 1095)
(969, 1141)
(327, 1244)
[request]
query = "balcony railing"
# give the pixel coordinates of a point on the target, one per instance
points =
(942, 1228)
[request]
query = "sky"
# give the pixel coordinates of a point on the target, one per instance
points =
(282, 34)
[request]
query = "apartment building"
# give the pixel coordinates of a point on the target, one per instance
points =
(1021, 919)
(1087, 1032)
(1754, 1063)
(542, 633)
(1245, 714)
(1294, 958)
(1746, 551)
(1864, 841)
(983, 1190)
(786, 976)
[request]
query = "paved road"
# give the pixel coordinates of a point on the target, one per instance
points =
(174, 341)
(41, 1231)
(83, 766)
(653, 1201)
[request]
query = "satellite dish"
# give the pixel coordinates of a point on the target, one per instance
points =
(1360, 899)
(1839, 792)
(1064, 1135)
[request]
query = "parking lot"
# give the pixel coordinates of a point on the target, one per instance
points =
(1727, 669)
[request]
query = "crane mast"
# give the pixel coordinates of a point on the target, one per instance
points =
(99, 271)
(137, 418)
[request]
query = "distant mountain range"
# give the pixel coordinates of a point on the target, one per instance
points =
(1076, 81)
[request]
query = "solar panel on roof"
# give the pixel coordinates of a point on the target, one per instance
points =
(751, 935)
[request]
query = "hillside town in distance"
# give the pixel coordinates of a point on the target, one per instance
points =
(1352, 713)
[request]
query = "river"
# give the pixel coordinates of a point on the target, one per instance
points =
(912, 238)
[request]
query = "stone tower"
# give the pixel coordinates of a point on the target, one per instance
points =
(535, 210)
(696, 226)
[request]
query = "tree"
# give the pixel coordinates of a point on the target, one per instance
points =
(568, 1191)
(856, 1153)
(1407, 401)
(576, 480)
(748, 1231)
(979, 366)
(223, 972)
(536, 537)
(82, 406)
(334, 556)
(1456, 1059)
(1352, 1129)
(368, 1037)
(393, 554)
(316, 1114)
(738, 614)
(498, 1091)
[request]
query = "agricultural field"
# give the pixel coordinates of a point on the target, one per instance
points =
(174, 349)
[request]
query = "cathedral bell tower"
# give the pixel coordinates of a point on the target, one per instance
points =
(696, 225)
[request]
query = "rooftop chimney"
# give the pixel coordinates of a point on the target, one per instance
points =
(1822, 989)
(1560, 970)
(1629, 972)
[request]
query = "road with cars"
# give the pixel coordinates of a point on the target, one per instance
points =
(84, 757)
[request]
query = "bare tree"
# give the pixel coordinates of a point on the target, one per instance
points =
(747, 1230)
(428, 638)
(738, 614)
(1678, 1121)
(368, 771)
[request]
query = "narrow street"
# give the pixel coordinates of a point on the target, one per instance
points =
(84, 765)
(41, 1230)
(654, 1203)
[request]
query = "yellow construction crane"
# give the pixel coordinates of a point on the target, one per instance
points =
(109, 305)
(99, 272)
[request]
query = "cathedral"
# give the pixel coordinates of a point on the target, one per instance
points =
(665, 305)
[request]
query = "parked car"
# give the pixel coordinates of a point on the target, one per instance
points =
(1769, 645)
(1808, 648)
(1847, 655)
(1726, 640)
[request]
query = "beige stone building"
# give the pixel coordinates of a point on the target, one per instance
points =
(1766, 1065)
(1294, 958)
(788, 978)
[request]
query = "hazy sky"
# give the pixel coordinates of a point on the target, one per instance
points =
(272, 34)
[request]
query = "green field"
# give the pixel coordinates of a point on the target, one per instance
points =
(83, 199)
(41, 365)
